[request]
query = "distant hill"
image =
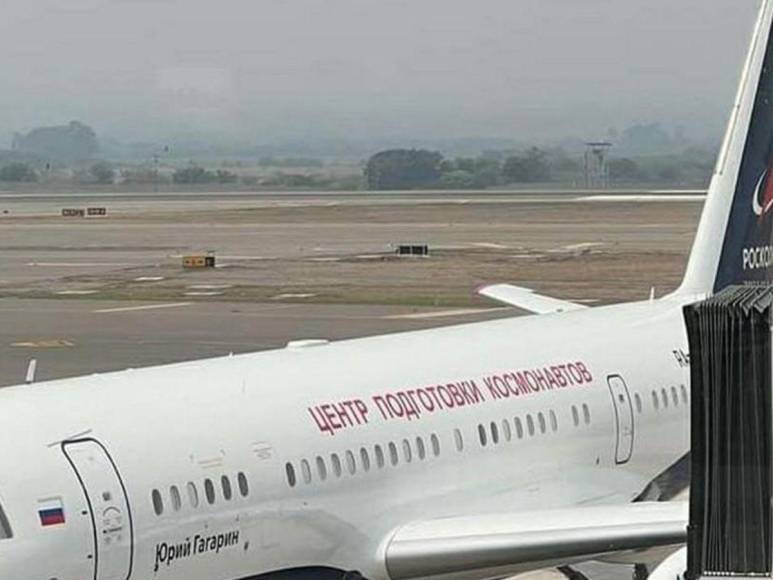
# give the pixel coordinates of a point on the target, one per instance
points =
(7, 156)
(67, 143)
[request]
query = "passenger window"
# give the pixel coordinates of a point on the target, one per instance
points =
(553, 421)
(507, 433)
(393, 458)
(158, 502)
(365, 459)
(482, 435)
(244, 486)
(542, 424)
(421, 451)
(209, 491)
(225, 483)
(193, 494)
(321, 469)
(575, 416)
(379, 456)
(664, 396)
(290, 471)
(351, 463)
(530, 425)
(177, 501)
(674, 396)
(435, 445)
(586, 413)
(655, 401)
(335, 461)
(306, 472)
(637, 399)
(459, 440)
(407, 451)
(518, 428)
(684, 393)
(494, 433)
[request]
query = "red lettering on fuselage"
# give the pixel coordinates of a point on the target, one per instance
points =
(413, 404)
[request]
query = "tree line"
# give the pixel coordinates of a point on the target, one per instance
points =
(418, 168)
(397, 169)
(103, 172)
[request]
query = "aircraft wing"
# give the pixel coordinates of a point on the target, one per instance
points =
(502, 544)
(527, 299)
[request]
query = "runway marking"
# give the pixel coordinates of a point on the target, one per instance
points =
(78, 264)
(288, 296)
(43, 344)
(239, 258)
(149, 279)
(204, 293)
(441, 313)
(76, 292)
(210, 286)
(145, 307)
(654, 198)
(582, 246)
(490, 245)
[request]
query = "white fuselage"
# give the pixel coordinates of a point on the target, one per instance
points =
(102, 449)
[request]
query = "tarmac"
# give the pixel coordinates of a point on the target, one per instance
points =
(83, 336)
(337, 248)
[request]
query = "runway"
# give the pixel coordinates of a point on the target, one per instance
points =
(311, 249)
(28, 204)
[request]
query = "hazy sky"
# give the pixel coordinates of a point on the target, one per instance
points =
(258, 69)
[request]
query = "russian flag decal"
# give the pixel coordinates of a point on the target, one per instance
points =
(51, 512)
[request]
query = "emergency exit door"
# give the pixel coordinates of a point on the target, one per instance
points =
(621, 400)
(108, 506)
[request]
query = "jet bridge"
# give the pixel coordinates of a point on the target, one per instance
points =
(729, 535)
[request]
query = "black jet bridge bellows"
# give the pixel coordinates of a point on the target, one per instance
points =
(729, 535)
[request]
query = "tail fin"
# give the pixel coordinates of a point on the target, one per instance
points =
(734, 243)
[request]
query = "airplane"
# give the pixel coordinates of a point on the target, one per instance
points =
(468, 452)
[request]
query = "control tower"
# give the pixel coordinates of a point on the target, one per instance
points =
(596, 168)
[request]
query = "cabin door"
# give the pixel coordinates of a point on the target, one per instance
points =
(108, 506)
(621, 401)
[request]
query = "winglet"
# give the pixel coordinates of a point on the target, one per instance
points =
(526, 299)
